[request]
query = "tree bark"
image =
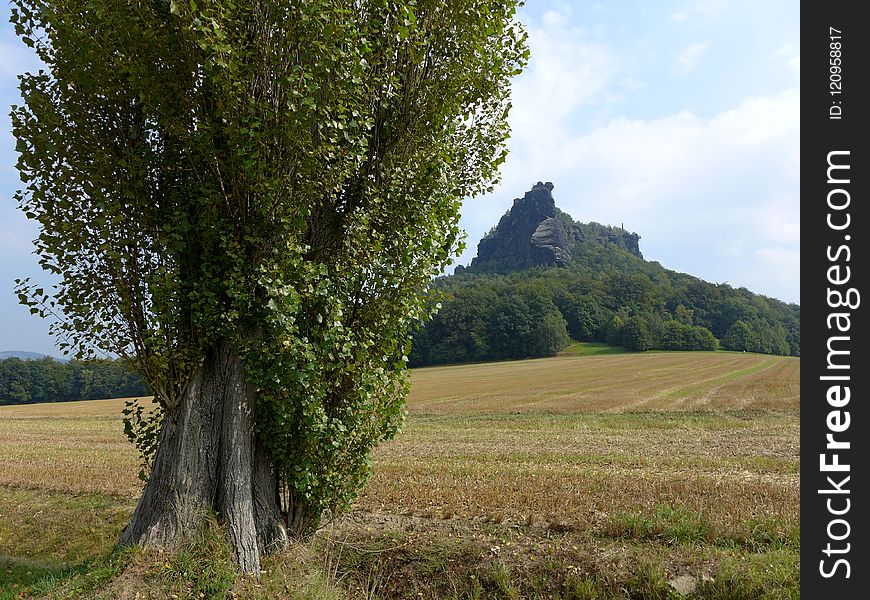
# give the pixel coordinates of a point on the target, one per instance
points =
(271, 533)
(207, 461)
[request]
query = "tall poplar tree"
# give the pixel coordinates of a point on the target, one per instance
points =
(248, 199)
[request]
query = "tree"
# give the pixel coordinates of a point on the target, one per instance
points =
(635, 334)
(248, 201)
(615, 330)
(678, 336)
(550, 335)
(49, 380)
(587, 319)
(631, 290)
(511, 327)
(683, 315)
(458, 333)
(673, 336)
(701, 338)
(740, 336)
(15, 381)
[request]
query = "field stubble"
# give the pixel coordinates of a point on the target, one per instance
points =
(688, 462)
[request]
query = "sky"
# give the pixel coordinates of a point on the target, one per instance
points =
(677, 119)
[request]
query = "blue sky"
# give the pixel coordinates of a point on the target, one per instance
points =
(679, 119)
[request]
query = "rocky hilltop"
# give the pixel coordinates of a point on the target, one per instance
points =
(536, 233)
(528, 235)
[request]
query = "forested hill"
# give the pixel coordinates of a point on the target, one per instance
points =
(49, 380)
(541, 278)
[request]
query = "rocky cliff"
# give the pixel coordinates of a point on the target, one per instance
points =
(536, 233)
(529, 235)
(610, 236)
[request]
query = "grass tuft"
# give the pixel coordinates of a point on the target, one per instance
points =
(668, 524)
(771, 575)
(204, 566)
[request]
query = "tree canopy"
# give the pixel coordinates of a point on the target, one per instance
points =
(49, 380)
(605, 293)
(248, 200)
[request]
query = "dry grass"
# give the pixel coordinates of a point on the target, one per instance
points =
(73, 447)
(617, 383)
(86, 409)
(79, 447)
(621, 453)
(576, 471)
(59, 527)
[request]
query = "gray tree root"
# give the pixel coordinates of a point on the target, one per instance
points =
(208, 460)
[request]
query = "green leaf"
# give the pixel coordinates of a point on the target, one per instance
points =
(197, 183)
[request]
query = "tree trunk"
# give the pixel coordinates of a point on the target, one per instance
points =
(208, 460)
(301, 520)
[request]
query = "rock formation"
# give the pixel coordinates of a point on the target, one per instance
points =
(535, 233)
(529, 235)
(625, 240)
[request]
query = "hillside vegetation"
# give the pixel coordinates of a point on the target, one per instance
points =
(588, 282)
(611, 476)
(49, 380)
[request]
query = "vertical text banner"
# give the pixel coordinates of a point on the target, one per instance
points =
(835, 420)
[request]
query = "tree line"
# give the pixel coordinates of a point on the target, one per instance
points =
(49, 380)
(605, 294)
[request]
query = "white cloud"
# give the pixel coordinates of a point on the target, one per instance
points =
(568, 71)
(774, 269)
(710, 9)
(630, 83)
(553, 19)
(636, 155)
(782, 259)
(689, 58)
(759, 119)
(715, 197)
(779, 220)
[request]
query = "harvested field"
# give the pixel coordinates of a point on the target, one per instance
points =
(572, 470)
(597, 473)
(618, 383)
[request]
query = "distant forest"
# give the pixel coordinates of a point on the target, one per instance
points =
(49, 380)
(604, 294)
